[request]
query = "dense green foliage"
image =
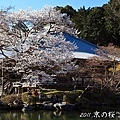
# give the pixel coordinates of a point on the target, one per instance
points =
(99, 25)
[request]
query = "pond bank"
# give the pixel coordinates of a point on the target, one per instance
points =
(67, 107)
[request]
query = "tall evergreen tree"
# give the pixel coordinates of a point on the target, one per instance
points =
(99, 25)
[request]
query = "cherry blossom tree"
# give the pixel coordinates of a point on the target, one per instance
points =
(35, 39)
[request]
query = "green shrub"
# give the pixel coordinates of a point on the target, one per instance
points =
(71, 97)
(29, 99)
(83, 102)
(11, 98)
(25, 97)
(78, 92)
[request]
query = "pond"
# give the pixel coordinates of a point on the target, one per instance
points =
(55, 115)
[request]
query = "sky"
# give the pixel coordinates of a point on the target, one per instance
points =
(39, 4)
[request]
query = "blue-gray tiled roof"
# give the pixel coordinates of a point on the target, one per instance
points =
(83, 46)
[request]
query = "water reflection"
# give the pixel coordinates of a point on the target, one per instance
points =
(42, 115)
(39, 115)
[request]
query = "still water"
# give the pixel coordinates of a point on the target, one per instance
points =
(46, 115)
